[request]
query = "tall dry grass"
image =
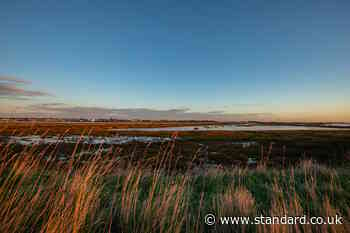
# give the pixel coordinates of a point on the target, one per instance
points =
(39, 193)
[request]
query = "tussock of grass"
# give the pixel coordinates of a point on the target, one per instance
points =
(100, 195)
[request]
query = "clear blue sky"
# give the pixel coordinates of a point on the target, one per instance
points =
(285, 58)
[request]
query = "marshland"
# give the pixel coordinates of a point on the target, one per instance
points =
(181, 116)
(168, 181)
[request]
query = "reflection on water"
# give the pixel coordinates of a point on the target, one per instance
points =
(116, 140)
(245, 144)
(231, 128)
(338, 125)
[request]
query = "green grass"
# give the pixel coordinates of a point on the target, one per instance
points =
(96, 194)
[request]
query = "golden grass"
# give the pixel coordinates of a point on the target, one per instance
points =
(40, 194)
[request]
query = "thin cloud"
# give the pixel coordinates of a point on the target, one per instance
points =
(65, 111)
(216, 112)
(10, 88)
(13, 80)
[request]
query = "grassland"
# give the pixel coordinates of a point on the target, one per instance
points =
(142, 188)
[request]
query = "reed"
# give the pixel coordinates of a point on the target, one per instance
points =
(39, 193)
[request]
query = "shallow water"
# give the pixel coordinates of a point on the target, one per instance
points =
(116, 140)
(231, 128)
(338, 125)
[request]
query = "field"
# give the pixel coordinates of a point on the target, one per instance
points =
(172, 185)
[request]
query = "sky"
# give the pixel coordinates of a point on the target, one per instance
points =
(215, 60)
